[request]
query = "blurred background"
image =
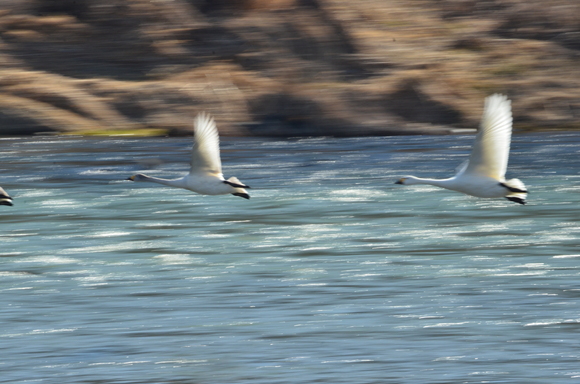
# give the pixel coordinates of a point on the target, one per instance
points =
(285, 67)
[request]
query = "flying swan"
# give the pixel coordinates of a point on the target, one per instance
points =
(4, 198)
(205, 176)
(483, 175)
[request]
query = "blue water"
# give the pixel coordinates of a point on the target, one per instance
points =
(329, 274)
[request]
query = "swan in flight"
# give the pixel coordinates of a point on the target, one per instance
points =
(4, 198)
(483, 175)
(205, 176)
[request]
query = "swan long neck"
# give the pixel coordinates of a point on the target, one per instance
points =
(179, 183)
(442, 183)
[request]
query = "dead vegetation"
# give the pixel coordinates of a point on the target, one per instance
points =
(286, 67)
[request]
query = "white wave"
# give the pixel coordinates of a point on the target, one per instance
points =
(109, 234)
(50, 260)
(59, 203)
(106, 248)
(448, 324)
(541, 323)
(171, 259)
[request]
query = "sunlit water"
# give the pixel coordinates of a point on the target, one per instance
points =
(329, 274)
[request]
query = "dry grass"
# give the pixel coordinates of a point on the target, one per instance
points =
(332, 67)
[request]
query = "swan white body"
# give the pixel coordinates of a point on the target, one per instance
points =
(484, 173)
(205, 176)
(4, 198)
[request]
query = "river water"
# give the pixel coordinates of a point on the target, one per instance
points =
(331, 273)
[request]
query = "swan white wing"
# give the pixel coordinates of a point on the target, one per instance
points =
(489, 156)
(462, 167)
(205, 155)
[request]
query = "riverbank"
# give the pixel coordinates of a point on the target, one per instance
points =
(285, 67)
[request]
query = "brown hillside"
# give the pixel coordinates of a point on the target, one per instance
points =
(286, 67)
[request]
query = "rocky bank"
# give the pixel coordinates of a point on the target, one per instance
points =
(285, 67)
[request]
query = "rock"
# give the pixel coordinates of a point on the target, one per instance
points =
(285, 67)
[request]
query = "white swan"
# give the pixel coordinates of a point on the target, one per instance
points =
(4, 198)
(484, 173)
(205, 176)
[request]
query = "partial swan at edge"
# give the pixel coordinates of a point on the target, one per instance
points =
(5, 199)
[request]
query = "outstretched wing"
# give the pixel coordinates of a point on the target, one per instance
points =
(489, 156)
(205, 155)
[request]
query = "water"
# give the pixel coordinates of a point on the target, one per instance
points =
(329, 274)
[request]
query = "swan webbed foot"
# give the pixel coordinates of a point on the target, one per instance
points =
(518, 200)
(236, 185)
(512, 189)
